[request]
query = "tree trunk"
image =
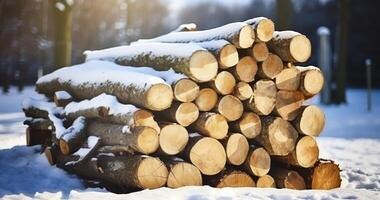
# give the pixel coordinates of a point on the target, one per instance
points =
(258, 161)
(182, 173)
(231, 178)
(288, 79)
(265, 181)
(212, 125)
(290, 46)
(311, 82)
(237, 147)
(243, 91)
(224, 83)
(181, 113)
(310, 121)
(230, 107)
(206, 153)
(138, 171)
(263, 28)
(287, 179)
(249, 125)
(74, 136)
(263, 100)
(172, 138)
(245, 70)
(239, 34)
(304, 155)
(270, 67)
(288, 104)
(206, 99)
(140, 139)
(278, 136)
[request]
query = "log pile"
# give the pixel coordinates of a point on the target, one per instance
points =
(223, 107)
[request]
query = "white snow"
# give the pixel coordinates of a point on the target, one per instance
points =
(98, 72)
(60, 6)
(185, 26)
(282, 35)
(351, 138)
(213, 44)
(222, 32)
(153, 49)
(74, 129)
(84, 151)
(170, 76)
(323, 30)
(62, 95)
(254, 21)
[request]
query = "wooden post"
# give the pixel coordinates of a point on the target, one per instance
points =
(324, 61)
(368, 64)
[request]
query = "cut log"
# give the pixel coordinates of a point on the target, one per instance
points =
(285, 178)
(290, 46)
(270, 67)
(51, 154)
(74, 136)
(37, 136)
(288, 79)
(181, 113)
(140, 139)
(230, 107)
(310, 121)
(104, 77)
(278, 136)
(260, 52)
(311, 81)
(237, 147)
(324, 175)
(206, 153)
(39, 123)
(239, 34)
(266, 181)
(62, 98)
(231, 178)
(245, 69)
(226, 53)
(185, 90)
(264, 97)
(243, 91)
(136, 171)
(206, 99)
(288, 104)
(212, 125)
(263, 28)
(258, 162)
(304, 155)
(224, 83)
(182, 173)
(249, 125)
(193, 61)
(172, 138)
(39, 109)
(186, 27)
(107, 109)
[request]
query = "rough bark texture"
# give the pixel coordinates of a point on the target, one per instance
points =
(62, 101)
(74, 137)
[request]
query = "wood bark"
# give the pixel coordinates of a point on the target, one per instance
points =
(311, 82)
(211, 124)
(310, 121)
(249, 125)
(181, 113)
(304, 155)
(236, 146)
(290, 46)
(263, 99)
(206, 99)
(140, 139)
(285, 178)
(230, 107)
(288, 104)
(245, 70)
(224, 83)
(36, 136)
(278, 136)
(270, 67)
(288, 79)
(258, 162)
(198, 153)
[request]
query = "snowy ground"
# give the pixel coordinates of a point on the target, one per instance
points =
(351, 138)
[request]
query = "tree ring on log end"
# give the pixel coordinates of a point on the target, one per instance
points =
(152, 173)
(173, 139)
(265, 30)
(228, 56)
(147, 140)
(300, 48)
(159, 97)
(203, 66)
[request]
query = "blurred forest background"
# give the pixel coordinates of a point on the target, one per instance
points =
(34, 36)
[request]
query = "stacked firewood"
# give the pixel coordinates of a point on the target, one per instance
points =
(223, 107)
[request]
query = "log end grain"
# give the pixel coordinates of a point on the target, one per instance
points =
(185, 90)
(250, 125)
(270, 67)
(311, 121)
(312, 82)
(246, 69)
(326, 176)
(224, 83)
(246, 37)
(186, 114)
(263, 100)
(264, 30)
(260, 52)
(228, 56)
(288, 104)
(206, 99)
(145, 118)
(184, 174)
(294, 181)
(258, 162)
(159, 97)
(266, 181)
(203, 66)
(288, 79)
(236, 179)
(300, 48)
(147, 139)
(307, 151)
(237, 149)
(208, 155)
(173, 139)
(151, 173)
(213, 125)
(230, 107)
(243, 91)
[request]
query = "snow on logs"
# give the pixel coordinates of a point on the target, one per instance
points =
(222, 107)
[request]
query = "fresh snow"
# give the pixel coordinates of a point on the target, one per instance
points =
(351, 138)
(184, 26)
(62, 95)
(170, 76)
(73, 130)
(282, 35)
(84, 151)
(254, 21)
(222, 32)
(98, 72)
(152, 49)
(213, 44)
